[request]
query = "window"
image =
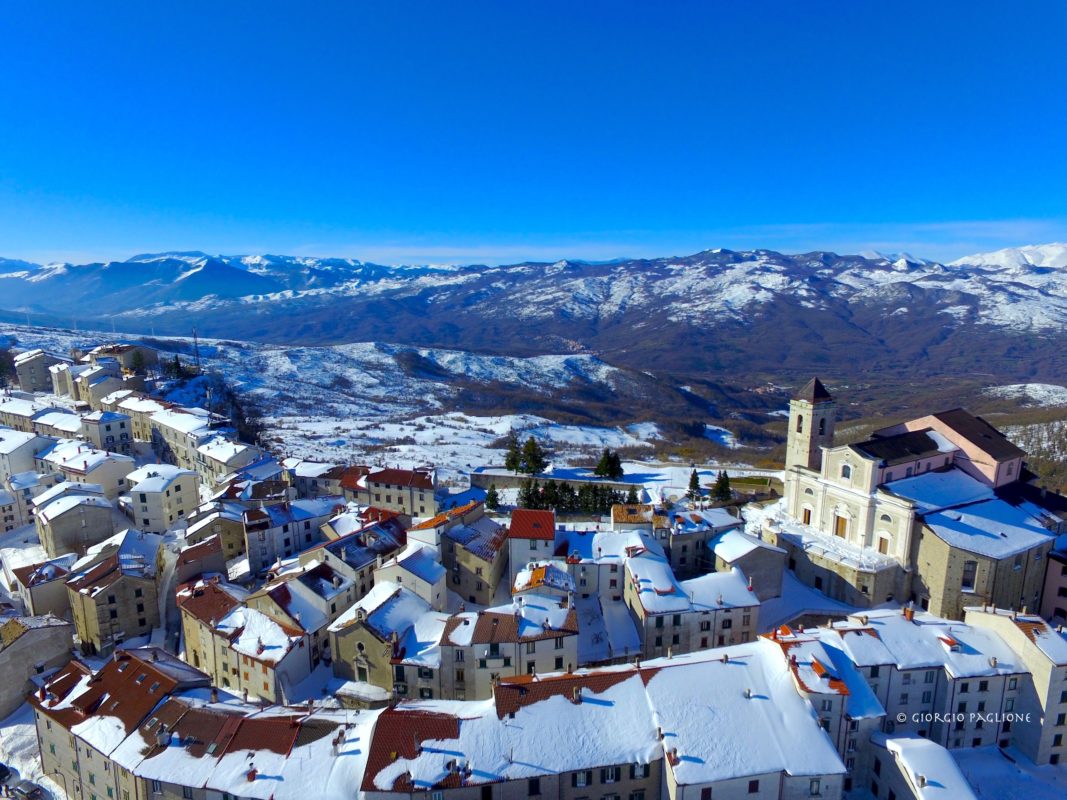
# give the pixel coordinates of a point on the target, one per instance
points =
(927, 697)
(1013, 683)
(156, 787)
(800, 423)
(874, 671)
(533, 787)
(983, 686)
(846, 472)
(559, 643)
(559, 662)
(970, 574)
(753, 787)
(580, 779)
(814, 787)
(822, 426)
(609, 775)
(705, 793)
(187, 792)
(638, 771)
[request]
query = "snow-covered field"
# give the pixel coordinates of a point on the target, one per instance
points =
(1032, 394)
(384, 404)
(992, 775)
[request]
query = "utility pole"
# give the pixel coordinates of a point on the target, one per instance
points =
(196, 351)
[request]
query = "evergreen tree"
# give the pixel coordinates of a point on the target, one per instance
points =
(631, 496)
(533, 458)
(568, 498)
(615, 471)
(603, 466)
(694, 486)
(137, 362)
(722, 491)
(513, 459)
(492, 499)
(525, 494)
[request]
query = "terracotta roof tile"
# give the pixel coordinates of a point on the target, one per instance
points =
(528, 523)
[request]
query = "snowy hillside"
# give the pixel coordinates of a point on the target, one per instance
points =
(389, 404)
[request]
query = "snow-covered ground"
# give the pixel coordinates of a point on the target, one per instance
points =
(384, 404)
(18, 749)
(721, 436)
(1032, 394)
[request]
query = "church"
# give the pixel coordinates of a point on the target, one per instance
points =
(937, 511)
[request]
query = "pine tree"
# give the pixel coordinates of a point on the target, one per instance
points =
(550, 495)
(603, 466)
(694, 486)
(533, 458)
(492, 499)
(722, 491)
(525, 494)
(631, 496)
(615, 471)
(137, 362)
(513, 459)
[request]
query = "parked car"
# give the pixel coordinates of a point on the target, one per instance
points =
(28, 790)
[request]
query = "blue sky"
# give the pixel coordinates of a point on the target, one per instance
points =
(496, 131)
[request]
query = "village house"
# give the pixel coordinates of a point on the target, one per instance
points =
(531, 537)
(109, 430)
(314, 478)
(138, 407)
(408, 492)
(31, 369)
(29, 648)
(9, 511)
(63, 376)
(623, 716)
(177, 433)
(113, 591)
(278, 531)
(222, 519)
(308, 598)
(18, 451)
(70, 518)
(24, 487)
(1041, 694)
(944, 680)
(203, 557)
(243, 649)
(762, 562)
(78, 462)
(161, 496)
(1054, 595)
(927, 510)
(82, 717)
(132, 358)
(20, 412)
(474, 553)
(42, 586)
(356, 555)
(417, 568)
(393, 639)
(221, 456)
(683, 534)
(61, 424)
(911, 766)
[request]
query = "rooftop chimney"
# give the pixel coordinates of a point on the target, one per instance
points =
(576, 695)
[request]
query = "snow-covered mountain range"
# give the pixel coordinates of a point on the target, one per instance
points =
(712, 312)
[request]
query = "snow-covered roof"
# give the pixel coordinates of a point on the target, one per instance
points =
(138, 404)
(483, 537)
(991, 528)
(751, 723)
(61, 421)
(222, 449)
(183, 421)
(699, 520)
(931, 770)
(19, 407)
(541, 574)
(11, 440)
(253, 633)
(105, 417)
(925, 641)
(65, 488)
(25, 480)
(69, 502)
(735, 544)
(155, 477)
(308, 469)
(933, 491)
(420, 561)
(76, 456)
(719, 590)
(295, 511)
(1050, 641)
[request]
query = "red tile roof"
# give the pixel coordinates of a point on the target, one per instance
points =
(526, 523)
(446, 516)
(525, 690)
(31, 576)
(401, 477)
(205, 601)
(399, 734)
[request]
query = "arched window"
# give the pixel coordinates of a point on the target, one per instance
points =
(800, 423)
(846, 472)
(886, 518)
(808, 491)
(822, 426)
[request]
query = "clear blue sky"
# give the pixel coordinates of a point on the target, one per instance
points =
(499, 131)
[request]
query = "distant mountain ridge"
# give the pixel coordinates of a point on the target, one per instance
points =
(759, 313)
